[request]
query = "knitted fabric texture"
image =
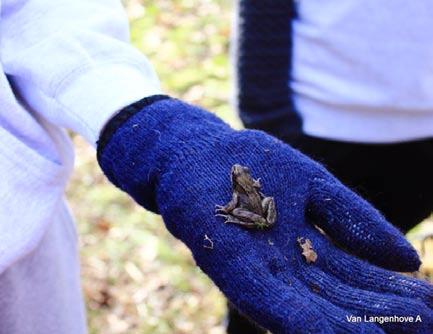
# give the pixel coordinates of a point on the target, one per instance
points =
(263, 67)
(175, 159)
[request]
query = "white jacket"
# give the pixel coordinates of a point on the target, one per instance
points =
(363, 69)
(65, 64)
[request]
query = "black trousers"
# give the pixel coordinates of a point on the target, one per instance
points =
(396, 178)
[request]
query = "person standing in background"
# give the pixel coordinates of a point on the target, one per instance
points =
(351, 85)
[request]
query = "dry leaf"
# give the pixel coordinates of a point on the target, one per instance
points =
(307, 250)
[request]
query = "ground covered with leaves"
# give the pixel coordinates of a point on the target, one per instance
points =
(136, 277)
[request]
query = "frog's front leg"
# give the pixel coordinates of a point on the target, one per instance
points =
(230, 206)
(268, 206)
(257, 184)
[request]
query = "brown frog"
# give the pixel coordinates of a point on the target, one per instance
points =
(248, 206)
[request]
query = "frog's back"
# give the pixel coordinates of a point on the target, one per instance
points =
(252, 202)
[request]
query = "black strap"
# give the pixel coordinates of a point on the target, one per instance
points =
(264, 61)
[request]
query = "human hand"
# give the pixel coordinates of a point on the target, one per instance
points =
(175, 159)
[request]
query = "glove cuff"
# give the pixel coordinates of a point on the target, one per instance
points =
(120, 118)
(152, 137)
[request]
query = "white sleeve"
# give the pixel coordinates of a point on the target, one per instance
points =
(71, 61)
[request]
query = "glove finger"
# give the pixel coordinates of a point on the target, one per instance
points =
(363, 275)
(369, 303)
(354, 224)
(254, 290)
(336, 316)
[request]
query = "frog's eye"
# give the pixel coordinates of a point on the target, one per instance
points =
(246, 169)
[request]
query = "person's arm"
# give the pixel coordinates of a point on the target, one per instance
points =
(71, 60)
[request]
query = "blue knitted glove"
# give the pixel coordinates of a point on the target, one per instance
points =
(175, 159)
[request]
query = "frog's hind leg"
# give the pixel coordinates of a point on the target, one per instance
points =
(229, 219)
(268, 206)
(234, 220)
(243, 217)
(248, 218)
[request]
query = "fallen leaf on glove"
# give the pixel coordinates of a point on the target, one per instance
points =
(307, 249)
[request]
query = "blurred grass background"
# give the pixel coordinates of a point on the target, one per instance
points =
(136, 277)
